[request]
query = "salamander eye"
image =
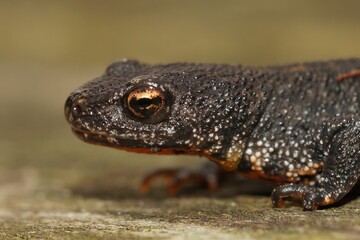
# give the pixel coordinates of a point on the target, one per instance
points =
(147, 104)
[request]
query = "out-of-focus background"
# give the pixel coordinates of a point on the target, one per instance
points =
(54, 186)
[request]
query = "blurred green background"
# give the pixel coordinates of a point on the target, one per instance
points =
(48, 48)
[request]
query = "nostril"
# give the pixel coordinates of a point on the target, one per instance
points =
(76, 109)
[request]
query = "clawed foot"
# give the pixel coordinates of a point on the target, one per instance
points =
(207, 174)
(312, 197)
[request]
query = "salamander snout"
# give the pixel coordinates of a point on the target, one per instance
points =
(73, 108)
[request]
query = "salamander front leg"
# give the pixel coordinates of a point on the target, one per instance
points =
(341, 170)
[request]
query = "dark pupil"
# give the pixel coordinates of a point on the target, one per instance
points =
(144, 102)
(145, 107)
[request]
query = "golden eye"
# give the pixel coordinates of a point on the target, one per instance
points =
(147, 104)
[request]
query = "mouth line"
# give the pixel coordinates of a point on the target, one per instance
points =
(109, 137)
(130, 143)
(83, 132)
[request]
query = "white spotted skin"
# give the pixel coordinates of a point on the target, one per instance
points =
(279, 123)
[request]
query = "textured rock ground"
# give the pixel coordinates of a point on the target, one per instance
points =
(105, 204)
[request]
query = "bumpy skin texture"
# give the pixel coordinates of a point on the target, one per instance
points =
(298, 125)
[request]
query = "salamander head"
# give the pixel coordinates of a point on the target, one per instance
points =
(175, 108)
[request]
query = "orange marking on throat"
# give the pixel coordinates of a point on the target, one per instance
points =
(164, 151)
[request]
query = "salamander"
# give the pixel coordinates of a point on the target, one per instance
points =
(297, 125)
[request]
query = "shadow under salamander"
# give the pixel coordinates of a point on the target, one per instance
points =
(109, 185)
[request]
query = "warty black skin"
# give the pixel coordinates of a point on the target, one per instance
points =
(295, 124)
